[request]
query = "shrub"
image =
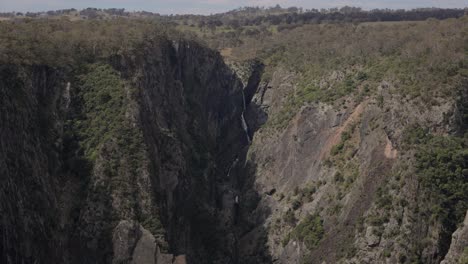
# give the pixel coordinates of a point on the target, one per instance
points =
(307, 192)
(380, 101)
(310, 231)
(440, 165)
(464, 256)
(387, 253)
(338, 177)
(153, 224)
(289, 217)
(377, 220)
(296, 204)
(362, 76)
(337, 149)
(415, 135)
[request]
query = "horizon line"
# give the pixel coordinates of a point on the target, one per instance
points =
(230, 10)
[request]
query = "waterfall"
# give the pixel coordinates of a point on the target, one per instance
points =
(244, 124)
(66, 97)
(234, 163)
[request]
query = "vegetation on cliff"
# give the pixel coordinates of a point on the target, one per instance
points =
(424, 60)
(309, 231)
(441, 163)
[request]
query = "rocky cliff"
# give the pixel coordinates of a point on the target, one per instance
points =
(348, 167)
(122, 161)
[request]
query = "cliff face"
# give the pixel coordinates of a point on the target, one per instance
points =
(29, 161)
(458, 252)
(340, 184)
(121, 161)
(191, 117)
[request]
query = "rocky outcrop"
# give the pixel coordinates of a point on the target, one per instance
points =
(458, 252)
(134, 244)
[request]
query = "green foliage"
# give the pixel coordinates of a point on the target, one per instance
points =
(309, 91)
(345, 136)
(362, 76)
(296, 204)
(153, 224)
(464, 257)
(384, 200)
(441, 166)
(335, 150)
(342, 157)
(302, 195)
(100, 126)
(310, 231)
(103, 96)
(377, 220)
(306, 194)
(415, 135)
(335, 209)
(387, 253)
(380, 101)
(441, 163)
(63, 43)
(338, 177)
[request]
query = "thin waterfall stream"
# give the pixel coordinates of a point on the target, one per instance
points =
(244, 123)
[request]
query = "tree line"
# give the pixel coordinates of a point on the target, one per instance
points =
(255, 16)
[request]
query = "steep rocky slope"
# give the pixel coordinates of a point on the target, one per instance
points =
(353, 163)
(365, 190)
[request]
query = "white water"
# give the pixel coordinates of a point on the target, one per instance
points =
(66, 96)
(244, 124)
(234, 163)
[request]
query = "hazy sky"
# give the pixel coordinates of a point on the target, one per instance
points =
(214, 6)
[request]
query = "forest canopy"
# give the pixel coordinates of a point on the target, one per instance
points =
(63, 42)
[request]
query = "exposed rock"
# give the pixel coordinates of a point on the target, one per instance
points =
(162, 258)
(125, 237)
(458, 252)
(371, 238)
(145, 249)
(390, 151)
(180, 260)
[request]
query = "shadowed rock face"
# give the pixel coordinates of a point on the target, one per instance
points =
(458, 252)
(154, 189)
(29, 161)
